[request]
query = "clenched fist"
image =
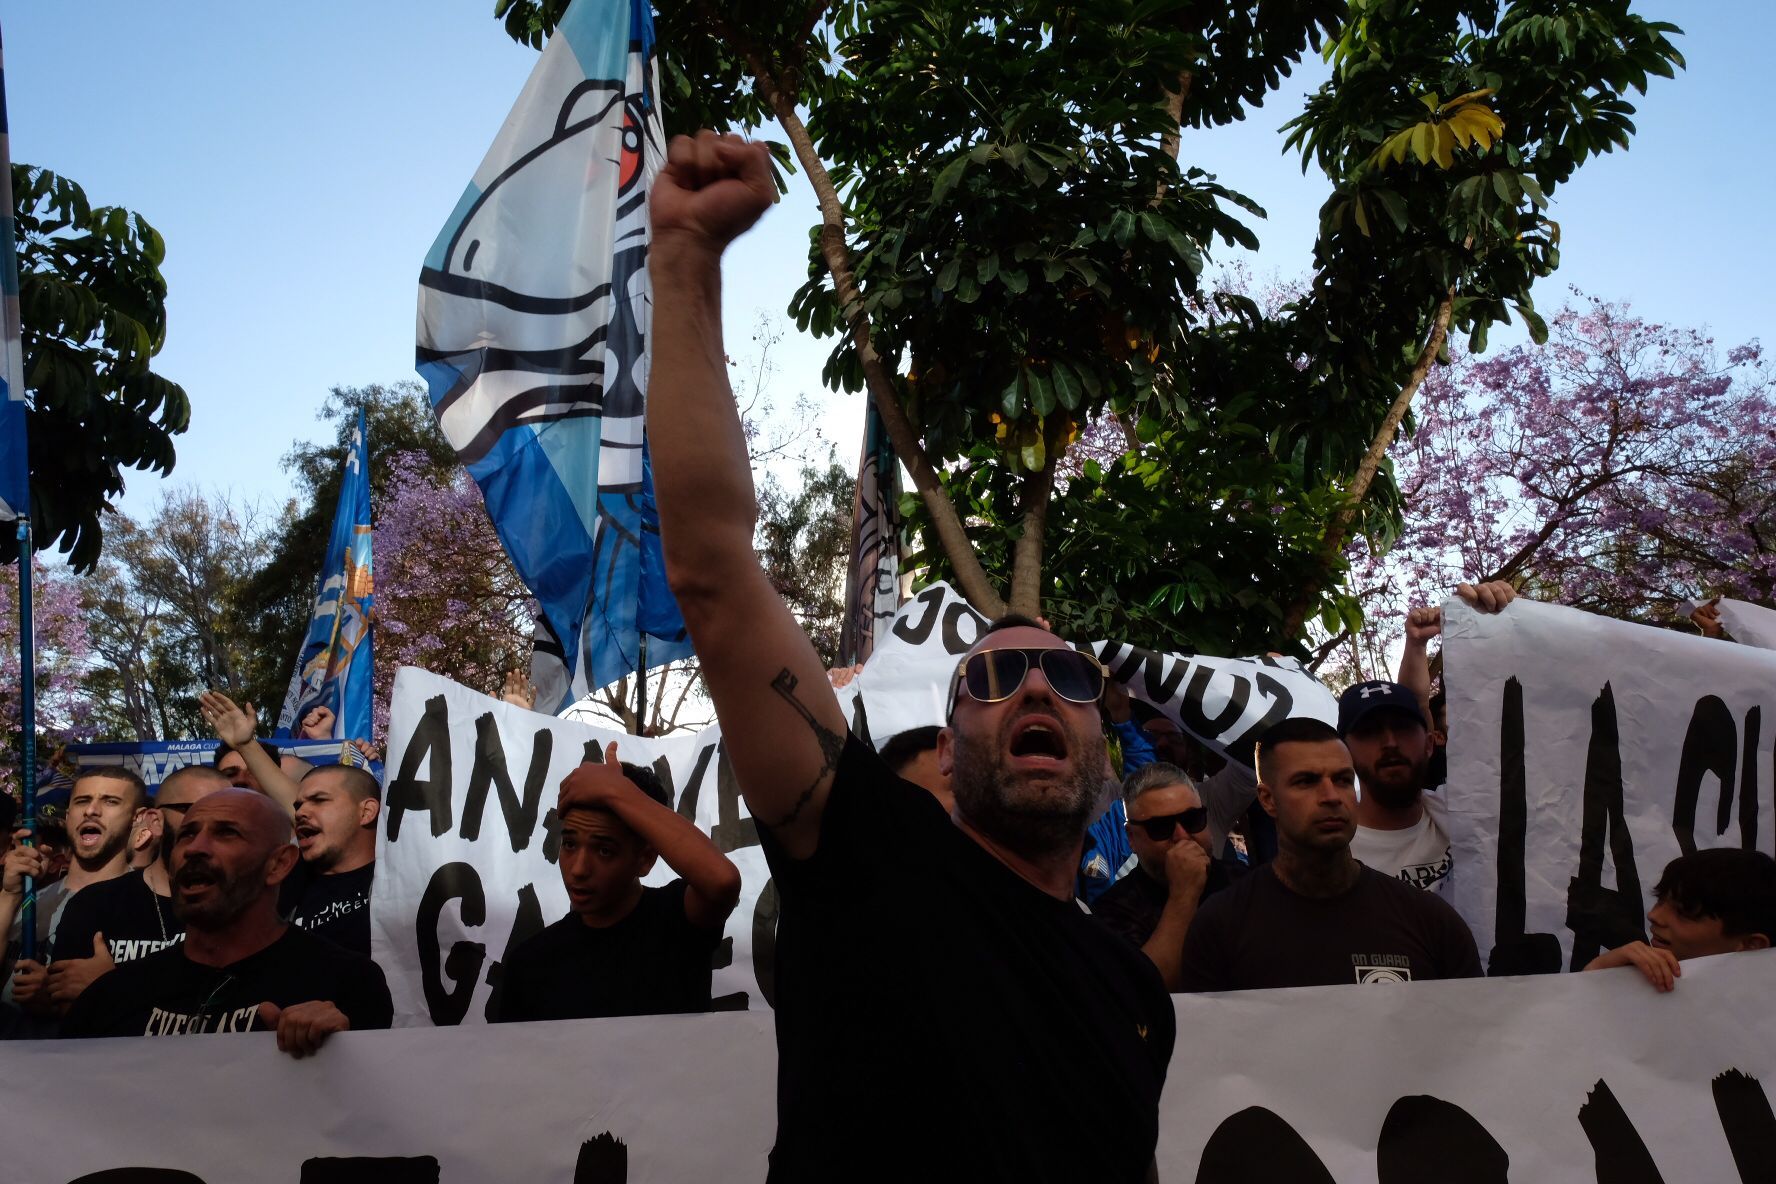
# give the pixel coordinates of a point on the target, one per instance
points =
(711, 191)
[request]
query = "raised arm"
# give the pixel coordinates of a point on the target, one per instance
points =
(712, 883)
(781, 723)
(237, 727)
(1414, 673)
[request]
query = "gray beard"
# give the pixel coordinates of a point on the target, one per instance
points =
(988, 797)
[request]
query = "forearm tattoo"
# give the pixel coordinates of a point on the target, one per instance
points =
(832, 745)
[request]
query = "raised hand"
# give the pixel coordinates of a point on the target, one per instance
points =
(233, 725)
(318, 724)
(518, 691)
(711, 191)
(1422, 624)
(1490, 597)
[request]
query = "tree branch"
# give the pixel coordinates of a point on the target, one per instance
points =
(834, 251)
(1034, 492)
(1339, 528)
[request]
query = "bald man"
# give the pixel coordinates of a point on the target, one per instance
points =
(927, 964)
(240, 968)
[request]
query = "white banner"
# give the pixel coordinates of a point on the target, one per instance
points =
(1435, 1081)
(1749, 624)
(1584, 755)
(466, 862)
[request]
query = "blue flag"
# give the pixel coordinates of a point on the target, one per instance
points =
(534, 318)
(15, 469)
(334, 669)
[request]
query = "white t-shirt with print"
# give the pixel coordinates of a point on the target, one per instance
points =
(1417, 854)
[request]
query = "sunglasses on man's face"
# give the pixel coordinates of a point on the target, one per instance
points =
(993, 676)
(1160, 829)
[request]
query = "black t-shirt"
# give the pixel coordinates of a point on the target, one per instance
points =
(335, 907)
(1258, 934)
(923, 987)
(652, 962)
(136, 920)
(167, 994)
(1130, 908)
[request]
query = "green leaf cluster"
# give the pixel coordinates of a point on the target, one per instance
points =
(92, 306)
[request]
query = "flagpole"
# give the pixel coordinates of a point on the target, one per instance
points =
(28, 713)
(641, 688)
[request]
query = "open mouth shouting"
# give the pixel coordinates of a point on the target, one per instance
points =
(306, 833)
(1038, 742)
(90, 836)
(196, 879)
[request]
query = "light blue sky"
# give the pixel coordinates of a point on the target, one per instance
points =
(299, 160)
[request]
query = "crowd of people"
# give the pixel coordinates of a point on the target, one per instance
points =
(983, 919)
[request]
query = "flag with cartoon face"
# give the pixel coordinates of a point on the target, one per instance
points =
(534, 317)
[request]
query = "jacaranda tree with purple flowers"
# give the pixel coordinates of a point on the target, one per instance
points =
(1621, 468)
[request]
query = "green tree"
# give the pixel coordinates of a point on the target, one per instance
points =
(1008, 247)
(278, 598)
(804, 543)
(92, 305)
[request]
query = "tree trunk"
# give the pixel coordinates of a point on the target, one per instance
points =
(1034, 492)
(948, 524)
(1339, 528)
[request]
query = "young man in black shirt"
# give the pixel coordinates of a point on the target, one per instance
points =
(927, 970)
(329, 892)
(624, 949)
(103, 808)
(131, 916)
(240, 968)
(1314, 916)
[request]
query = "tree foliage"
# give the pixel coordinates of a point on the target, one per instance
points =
(803, 542)
(1621, 468)
(92, 306)
(164, 615)
(279, 596)
(64, 647)
(1009, 246)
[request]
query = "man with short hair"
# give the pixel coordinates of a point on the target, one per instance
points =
(926, 965)
(624, 949)
(1402, 831)
(1168, 830)
(240, 967)
(131, 916)
(1719, 901)
(329, 892)
(912, 755)
(103, 806)
(1314, 916)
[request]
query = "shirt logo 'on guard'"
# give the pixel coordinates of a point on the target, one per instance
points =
(1382, 968)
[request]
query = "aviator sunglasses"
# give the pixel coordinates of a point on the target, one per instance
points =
(1160, 829)
(993, 676)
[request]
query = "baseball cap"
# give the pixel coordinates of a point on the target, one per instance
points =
(1363, 700)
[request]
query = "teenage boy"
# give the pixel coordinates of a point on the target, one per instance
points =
(624, 949)
(1709, 902)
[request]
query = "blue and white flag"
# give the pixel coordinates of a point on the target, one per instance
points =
(534, 318)
(334, 669)
(15, 469)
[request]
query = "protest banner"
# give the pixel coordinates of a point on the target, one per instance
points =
(1749, 624)
(154, 760)
(1584, 754)
(1584, 1077)
(466, 865)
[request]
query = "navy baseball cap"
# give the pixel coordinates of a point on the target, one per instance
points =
(1359, 702)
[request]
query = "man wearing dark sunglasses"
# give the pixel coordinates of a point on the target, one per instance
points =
(1168, 829)
(926, 963)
